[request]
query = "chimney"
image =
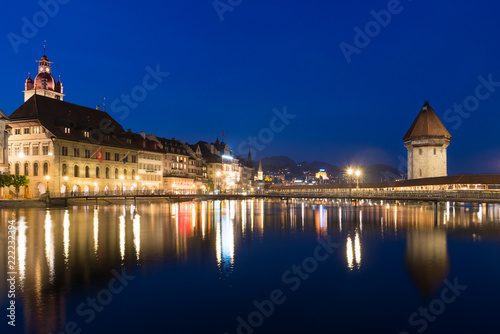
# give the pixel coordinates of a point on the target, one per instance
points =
(212, 148)
(143, 134)
(97, 107)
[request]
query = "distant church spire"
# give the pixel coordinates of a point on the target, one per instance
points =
(260, 173)
(249, 159)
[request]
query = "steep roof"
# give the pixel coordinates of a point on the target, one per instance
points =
(427, 125)
(206, 153)
(55, 115)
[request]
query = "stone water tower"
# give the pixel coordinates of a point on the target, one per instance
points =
(426, 141)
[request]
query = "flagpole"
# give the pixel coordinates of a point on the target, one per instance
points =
(95, 152)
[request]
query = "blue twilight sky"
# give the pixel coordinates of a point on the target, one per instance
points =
(228, 75)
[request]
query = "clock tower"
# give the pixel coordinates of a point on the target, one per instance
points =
(43, 84)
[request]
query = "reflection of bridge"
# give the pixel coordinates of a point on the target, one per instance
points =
(428, 196)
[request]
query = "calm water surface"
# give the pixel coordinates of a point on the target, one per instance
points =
(254, 266)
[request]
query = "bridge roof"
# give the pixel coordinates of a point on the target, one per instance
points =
(432, 181)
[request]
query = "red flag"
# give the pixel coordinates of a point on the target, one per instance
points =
(98, 155)
(223, 134)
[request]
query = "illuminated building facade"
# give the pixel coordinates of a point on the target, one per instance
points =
(225, 171)
(321, 175)
(54, 143)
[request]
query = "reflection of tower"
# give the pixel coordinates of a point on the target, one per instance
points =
(427, 259)
(426, 141)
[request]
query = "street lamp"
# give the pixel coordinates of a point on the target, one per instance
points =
(47, 178)
(218, 181)
(122, 178)
(358, 173)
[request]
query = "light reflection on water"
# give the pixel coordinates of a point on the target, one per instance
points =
(61, 251)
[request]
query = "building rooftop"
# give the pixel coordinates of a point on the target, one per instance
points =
(427, 125)
(56, 115)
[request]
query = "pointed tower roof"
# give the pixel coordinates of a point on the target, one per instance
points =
(260, 164)
(249, 158)
(427, 125)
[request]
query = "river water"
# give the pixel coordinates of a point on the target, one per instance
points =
(253, 266)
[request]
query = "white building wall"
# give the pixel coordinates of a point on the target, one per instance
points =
(427, 161)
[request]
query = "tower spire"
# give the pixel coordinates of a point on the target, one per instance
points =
(249, 159)
(44, 47)
(260, 173)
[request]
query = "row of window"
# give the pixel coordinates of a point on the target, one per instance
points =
(107, 155)
(25, 150)
(29, 130)
(420, 151)
(27, 171)
(150, 156)
(150, 167)
(76, 172)
(86, 172)
(175, 166)
(178, 159)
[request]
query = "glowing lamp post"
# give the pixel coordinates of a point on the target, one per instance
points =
(122, 178)
(47, 178)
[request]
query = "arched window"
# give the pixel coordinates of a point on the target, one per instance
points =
(77, 172)
(133, 174)
(35, 169)
(97, 172)
(46, 169)
(87, 171)
(125, 174)
(26, 169)
(107, 172)
(116, 173)
(64, 169)
(17, 168)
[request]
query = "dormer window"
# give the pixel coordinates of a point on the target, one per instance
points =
(86, 134)
(67, 130)
(129, 141)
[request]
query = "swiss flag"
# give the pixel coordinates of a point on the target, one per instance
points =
(98, 155)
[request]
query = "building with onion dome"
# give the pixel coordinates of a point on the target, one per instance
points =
(43, 84)
(54, 143)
